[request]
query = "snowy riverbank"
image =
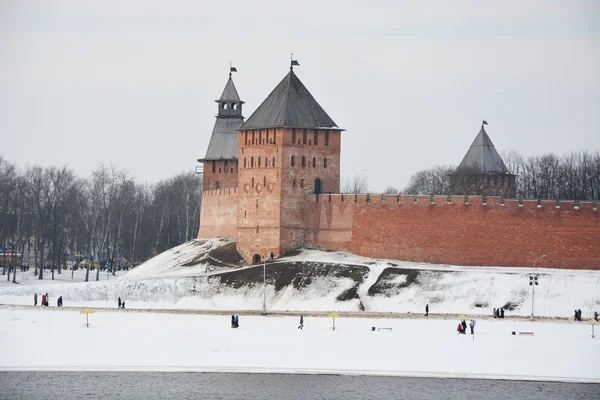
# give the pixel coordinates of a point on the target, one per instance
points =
(54, 340)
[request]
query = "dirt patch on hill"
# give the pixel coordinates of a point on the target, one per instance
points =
(385, 284)
(227, 254)
(296, 274)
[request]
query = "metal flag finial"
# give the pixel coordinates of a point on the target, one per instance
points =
(231, 69)
(293, 62)
(483, 122)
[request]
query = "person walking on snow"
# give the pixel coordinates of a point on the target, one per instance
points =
(59, 302)
(427, 310)
(35, 299)
(301, 326)
(472, 326)
(502, 313)
(119, 301)
(464, 326)
(495, 315)
(43, 300)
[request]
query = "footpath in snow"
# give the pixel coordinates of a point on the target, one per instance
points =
(58, 340)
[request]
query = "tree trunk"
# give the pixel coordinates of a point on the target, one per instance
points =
(41, 276)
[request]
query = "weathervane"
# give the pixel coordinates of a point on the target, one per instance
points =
(483, 122)
(293, 62)
(231, 69)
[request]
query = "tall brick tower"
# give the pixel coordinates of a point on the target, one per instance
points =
(289, 148)
(221, 160)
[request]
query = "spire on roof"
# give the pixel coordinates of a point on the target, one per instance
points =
(290, 105)
(224, 140)
(482, 156)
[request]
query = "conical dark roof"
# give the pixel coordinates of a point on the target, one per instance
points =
(290, 105)
(482, 157)
(224, 140)
(230, 93)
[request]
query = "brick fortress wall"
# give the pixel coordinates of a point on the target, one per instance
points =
(218, 214)
(425, 229)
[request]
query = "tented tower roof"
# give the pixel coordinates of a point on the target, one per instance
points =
(482, 157)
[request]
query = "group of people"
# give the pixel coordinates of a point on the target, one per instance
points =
(235, 321)
(498, 312)
(121, 303)
(462, 327)
(577, 316)
(46, 299)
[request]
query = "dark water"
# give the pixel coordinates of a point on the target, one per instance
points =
(194, 385)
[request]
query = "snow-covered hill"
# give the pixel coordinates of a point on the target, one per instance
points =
(312, 280)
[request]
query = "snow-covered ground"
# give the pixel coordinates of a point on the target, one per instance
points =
(28, 278)
(178, 279)
(49, 339)
(187, 259)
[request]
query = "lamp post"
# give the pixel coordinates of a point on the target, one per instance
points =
(533, 282)
(271, 260)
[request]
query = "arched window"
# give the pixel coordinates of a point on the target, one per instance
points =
(259, 162)
(304, 136)
(325, 162)
(294, 183)
(252, 136)
(217, 185)
(214, 166)
(326, 138)
(266, 161)
(267, 136)
(303, 161)
(252, 181)
(314, 162)
(293, 136)
(316, 140)
(264, 181)
(293, 160)
(244, 162)
(318, 185)
(252, 162)
(273, 163)
(301, 183)
(246, 140)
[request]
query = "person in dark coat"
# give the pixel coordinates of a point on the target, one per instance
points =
(301, 326)
(47, 300)
(464, 326)
(502, 313)
(596, 315)
(119, 302)
(237, 321)
(579, 312)
(427, 310)
(233, 321)
(35, 299)
(472, 325)
(59, 302)
(495, 314)
(123, 305)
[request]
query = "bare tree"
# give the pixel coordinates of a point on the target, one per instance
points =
(356, 184)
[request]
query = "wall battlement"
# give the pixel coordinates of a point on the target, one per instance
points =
(487, 202)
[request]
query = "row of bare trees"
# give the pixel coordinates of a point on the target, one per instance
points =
(573, 176)
(52, 213)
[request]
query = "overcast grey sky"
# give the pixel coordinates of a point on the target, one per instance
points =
(134, 82)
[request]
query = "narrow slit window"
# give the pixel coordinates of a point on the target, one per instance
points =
(304, 136)
(293, 136)
(214, 166)
(325, 162)
(293, 161)
(273, 163)
(252, 162)
(303, 161)
(326, 138)
(314, 162)
(301, 183)
(316, 139)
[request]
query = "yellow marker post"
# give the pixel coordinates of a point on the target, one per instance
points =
(593, 323)
(334, 315)
(87, 311)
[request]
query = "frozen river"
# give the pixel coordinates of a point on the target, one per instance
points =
(225, 386)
